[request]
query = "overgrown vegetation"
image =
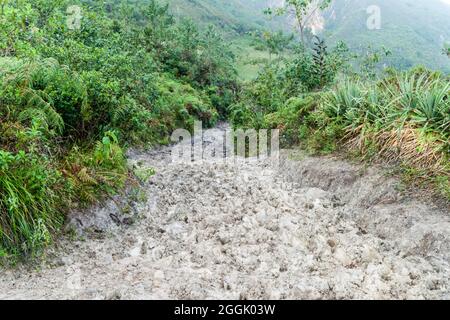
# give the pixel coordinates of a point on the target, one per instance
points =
(74, 93)
(77, 87)
(321, 102)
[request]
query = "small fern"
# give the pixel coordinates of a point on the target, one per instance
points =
(36, 106)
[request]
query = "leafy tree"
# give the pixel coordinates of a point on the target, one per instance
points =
(276, 42)
(371, 60)
(303, 11)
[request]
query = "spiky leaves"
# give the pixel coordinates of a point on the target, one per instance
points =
(319, 56)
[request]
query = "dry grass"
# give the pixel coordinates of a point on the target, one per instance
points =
(407, 146)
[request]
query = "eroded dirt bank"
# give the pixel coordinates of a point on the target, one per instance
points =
(313, 228)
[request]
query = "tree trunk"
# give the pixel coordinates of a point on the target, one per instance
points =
(302, 35)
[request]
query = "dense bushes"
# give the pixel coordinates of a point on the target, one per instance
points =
(72, 98)
(318, 101)
(308, 70)
(313, 69)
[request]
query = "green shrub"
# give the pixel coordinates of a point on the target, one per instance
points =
(67, 94)
(70, 100)
(314, 69)
(241, 115)
(93, 173)
(180, 104)
(292, 117)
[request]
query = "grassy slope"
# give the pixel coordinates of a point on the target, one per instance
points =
(249, 60)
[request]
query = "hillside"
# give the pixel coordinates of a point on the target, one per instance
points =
(415, 31)
(232, 16)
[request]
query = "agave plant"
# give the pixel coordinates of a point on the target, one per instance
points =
(345, 100)
(432, 106)
(404, 92)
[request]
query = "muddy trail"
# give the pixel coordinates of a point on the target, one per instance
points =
(307, 228)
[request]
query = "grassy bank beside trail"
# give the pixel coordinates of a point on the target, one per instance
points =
(73, 98)
(320, 102)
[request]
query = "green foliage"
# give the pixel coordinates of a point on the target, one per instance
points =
(370, 62)
(107, 153)
(92, 173)
(29, 199)
(66, 93)
(340, 104)
(292, 118)
(242, 115)
(199, 57)
(313, 70)
(72, 99)
(303, 11)
(180, 104)
(275, 42)
(421, 98)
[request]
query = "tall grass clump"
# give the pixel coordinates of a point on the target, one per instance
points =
(30, 202)
(404, 118)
